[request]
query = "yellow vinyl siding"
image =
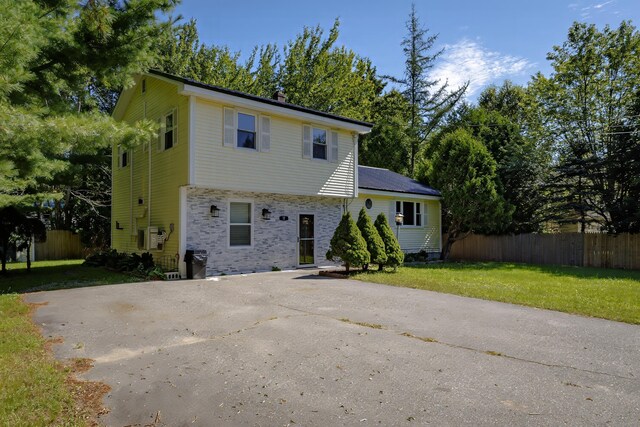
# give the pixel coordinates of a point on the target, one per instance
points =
(169, 171)
(412, 239)
(282, 170)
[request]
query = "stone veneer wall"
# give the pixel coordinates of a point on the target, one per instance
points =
(275, 242)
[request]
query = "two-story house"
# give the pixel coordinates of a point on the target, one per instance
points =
(256, 182)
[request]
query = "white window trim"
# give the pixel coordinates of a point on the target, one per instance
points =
(415, 203)
(163, 130)
(120, 153)
(252, 223)
(327, 144)
(256, 116)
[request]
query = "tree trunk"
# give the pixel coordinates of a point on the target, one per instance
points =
(5, 248)
(29, 256)
(446, 249)
(346, 264)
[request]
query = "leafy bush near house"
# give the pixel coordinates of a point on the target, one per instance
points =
(395, 256)
(347, 244)
(421, 256)
(137, 265)
(375, 245)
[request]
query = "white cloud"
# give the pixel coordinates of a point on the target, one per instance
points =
(467, 60)
(599, 7)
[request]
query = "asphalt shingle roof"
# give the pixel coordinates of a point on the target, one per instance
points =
(257, 98)
(386, 180)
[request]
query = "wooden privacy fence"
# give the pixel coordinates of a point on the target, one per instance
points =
(585, 250)
(60, 244)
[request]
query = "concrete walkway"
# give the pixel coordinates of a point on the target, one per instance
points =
(292, 348)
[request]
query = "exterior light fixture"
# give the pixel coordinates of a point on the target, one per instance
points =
(399, 218)
(215, 212)
(399, 221)
(266, 214)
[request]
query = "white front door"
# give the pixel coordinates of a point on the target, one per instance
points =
(306, 240)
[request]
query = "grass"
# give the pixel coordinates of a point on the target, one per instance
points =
(33, 391)
(605, 293)
(49, 275)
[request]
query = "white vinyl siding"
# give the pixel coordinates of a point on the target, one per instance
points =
(412, 239)
(283, 171)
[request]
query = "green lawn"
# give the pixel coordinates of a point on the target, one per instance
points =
(47, 275)
(32, 387)
(605, 293)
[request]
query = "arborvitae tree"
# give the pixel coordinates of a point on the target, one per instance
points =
(375, 245)
(347, 244)
(395, 256)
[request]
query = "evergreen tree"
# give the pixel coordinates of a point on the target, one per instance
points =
(465, 173)
(375, 245)
(429, 101)
(395, 256)
(347, 244)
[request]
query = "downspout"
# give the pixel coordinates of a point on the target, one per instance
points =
(148, 177)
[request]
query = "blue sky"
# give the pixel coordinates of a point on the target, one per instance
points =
(485, 41)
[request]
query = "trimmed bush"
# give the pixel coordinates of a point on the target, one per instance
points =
(395, 256)
(375, 245)
(347, 244)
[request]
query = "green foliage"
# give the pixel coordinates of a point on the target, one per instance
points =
(61, 62)
(387, 145)
(465, 173)
(347, 244)
(139, 265)
(311, 70)
(501, 122)
(395, 256)
(590, 103)
(375, 245)
(429, 101)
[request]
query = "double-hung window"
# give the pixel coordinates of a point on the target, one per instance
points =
(240, 223)
(168, 131)
(412, 212)
(123, 157)
(319, 144)
(246, 131)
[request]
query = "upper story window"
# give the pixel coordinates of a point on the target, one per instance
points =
(123, 157)
(412, 212)
(319, 143)
(168, 131)
(246, 131)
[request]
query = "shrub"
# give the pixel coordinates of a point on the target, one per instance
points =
(138, 265)
(375, 245)
(347, 244)
(395, 256)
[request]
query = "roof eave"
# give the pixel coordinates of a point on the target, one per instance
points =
(413, 195)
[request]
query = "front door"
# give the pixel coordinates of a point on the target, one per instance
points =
(306, 240)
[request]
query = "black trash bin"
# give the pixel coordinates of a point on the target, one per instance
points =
(196, 260)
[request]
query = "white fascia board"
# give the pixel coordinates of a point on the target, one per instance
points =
(273, 109)
(396, 194)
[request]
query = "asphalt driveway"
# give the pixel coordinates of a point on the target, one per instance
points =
(290, 348)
